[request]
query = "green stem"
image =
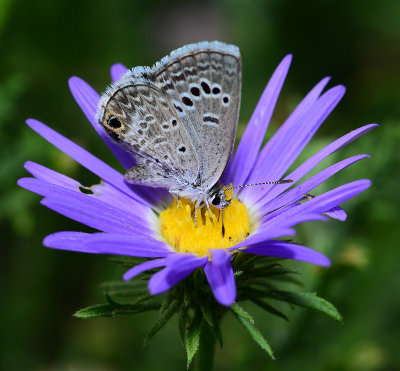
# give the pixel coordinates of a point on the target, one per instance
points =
(206, 350)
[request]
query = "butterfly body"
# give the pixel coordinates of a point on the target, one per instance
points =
(178, 119)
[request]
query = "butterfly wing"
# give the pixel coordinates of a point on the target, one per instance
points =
(141, 117)
(203, 81)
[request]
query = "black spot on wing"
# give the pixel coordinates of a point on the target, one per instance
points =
(206, 87)
(187, 101)
(195, 91)
(212, 119)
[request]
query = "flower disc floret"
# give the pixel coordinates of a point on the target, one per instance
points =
(179, 230)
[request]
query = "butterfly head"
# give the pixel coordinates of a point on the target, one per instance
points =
(218, 199)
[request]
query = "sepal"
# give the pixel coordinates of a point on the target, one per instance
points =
(258, 279)
(168, 308)
(112, 309)
(193, 337)
(248, 323)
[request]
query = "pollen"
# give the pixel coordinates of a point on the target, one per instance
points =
(179, 230)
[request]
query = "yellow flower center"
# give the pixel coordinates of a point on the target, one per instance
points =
(178, 228)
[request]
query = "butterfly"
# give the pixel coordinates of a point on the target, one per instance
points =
(179, 120)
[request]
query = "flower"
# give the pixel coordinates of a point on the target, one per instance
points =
(128, 217)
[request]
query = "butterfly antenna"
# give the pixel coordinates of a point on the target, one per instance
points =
(283, 181)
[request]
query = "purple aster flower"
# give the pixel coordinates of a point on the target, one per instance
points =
(133, 220)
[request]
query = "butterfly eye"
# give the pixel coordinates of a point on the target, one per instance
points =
(216, 200)
(114, 123)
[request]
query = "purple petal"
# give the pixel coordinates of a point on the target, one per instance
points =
(253, 136)
(86, 159)
(298, 192)
(178, 267)
(136, 245)
(70, 241)
(258, 172)
(103, 191)
(277, 212)
(220, 276)
(138, 269)
(226, 175)
(87, 100)
(90, 210)
(284, 147)
(108, 243)
(336, 213)
(93, 216)
(323, 202)
(264, 235)
(316, 159)
(117, 71)
(333, 198)
(51, 176)
(109, 194)
(282, 249)
(292, 220)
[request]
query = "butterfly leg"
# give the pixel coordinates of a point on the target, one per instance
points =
(175, 196)
(195, 212)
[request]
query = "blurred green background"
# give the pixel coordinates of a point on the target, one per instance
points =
(356, 42)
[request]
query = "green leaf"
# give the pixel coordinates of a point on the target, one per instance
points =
(113, 309)
(193, 338)
(266, 280)
(172, 294)
(287, 278)
(128, 261)
(269, 308)
(245, 260)
(183, 323)
(282, 271)
(125, 289)
(308, 300)
(256, 335)
(250, 283)
(241, 312)
(261, 269)
(165, 316)
(257, 261)
(211, 318)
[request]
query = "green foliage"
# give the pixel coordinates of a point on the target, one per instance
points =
(126, 261)
(125, 289)
(268, 307)
(308, 300)
(237, 309)
(254, 284)
(210, 316)
(112, 309)
(255, 334)
(168, 308)
(193, 337)
(197, 309)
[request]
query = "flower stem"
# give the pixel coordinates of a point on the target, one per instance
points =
(206, 351)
